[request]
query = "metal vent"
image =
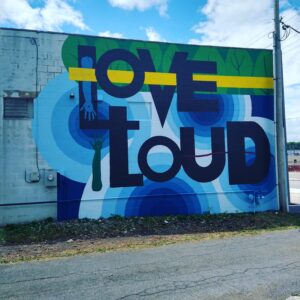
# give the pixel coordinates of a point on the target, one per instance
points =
(18, 108)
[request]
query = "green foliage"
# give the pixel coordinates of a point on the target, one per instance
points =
(2, 236)
(293, 146)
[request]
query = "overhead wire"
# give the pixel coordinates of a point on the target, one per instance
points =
(285, 36)
(256, 40)
(293, 39)
(293, 118)
(289, 49)
(290, 18)
(287, 28)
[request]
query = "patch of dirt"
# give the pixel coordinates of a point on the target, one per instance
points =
(46, 251)
(17, 253)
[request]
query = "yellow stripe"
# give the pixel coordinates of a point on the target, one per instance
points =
(238, 81)
(80, 74)
(156, 78)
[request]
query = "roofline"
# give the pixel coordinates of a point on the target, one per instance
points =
(134, 40)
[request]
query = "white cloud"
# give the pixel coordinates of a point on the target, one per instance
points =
(51, 16)
(142, 5)
(292, 96)
(235, 23)
(153, 35)
(292, 129)
(108, 33)
(249, 23)
(290, 50)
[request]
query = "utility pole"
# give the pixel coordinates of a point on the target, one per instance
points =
(281, 157)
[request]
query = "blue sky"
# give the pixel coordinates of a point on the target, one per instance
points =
(175, 26)
(238, 23)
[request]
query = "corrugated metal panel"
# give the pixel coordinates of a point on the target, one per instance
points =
(18, 108)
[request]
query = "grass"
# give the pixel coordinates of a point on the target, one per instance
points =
(2, 239)
(50, 239)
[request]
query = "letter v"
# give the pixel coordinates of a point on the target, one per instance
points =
(162, 95)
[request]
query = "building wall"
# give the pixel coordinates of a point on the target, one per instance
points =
(123, 144)
(19, 67)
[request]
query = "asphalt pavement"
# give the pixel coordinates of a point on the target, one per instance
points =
(259, 267)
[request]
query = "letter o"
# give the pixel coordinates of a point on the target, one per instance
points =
(120, 91)
(145, 168)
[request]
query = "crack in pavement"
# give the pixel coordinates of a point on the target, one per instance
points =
(190, 284)
(101, 271)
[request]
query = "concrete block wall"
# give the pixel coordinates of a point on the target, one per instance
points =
(24, 72)
(19, 59)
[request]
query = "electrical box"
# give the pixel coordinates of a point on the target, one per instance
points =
(32, 176)
(50, 178)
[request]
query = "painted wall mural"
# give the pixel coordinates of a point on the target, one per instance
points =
(141, 128)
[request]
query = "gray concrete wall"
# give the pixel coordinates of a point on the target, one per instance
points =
(18, 61)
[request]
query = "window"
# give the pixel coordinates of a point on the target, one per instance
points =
(18, 108)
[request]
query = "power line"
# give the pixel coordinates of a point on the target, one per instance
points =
(256, 40)
(293, 118)
(296, 14)
(291, 45)
(288, 45)
(287, 28)
(292, 49)
(269, 45)
(287, 31)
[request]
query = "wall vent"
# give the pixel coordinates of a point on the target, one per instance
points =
(18, 108)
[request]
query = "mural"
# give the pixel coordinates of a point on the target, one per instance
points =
(141, 128)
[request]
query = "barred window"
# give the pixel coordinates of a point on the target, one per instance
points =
(18, 108)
